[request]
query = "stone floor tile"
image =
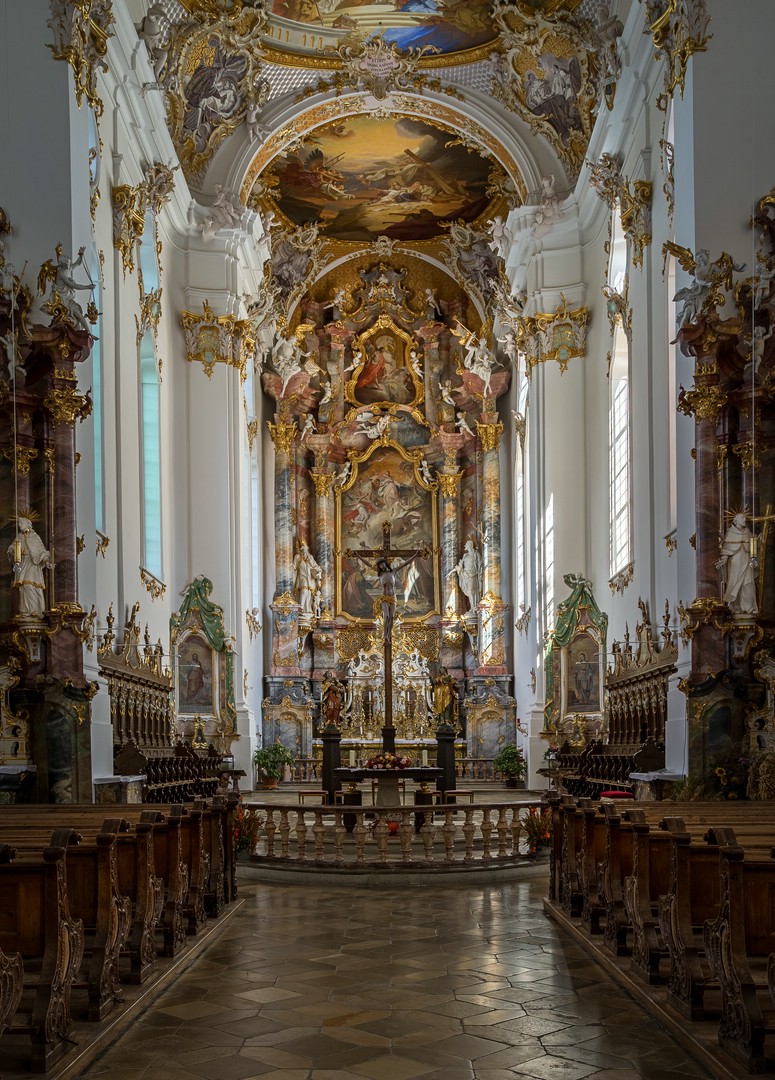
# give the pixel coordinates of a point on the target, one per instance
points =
(392, 1067)
(549, 1068)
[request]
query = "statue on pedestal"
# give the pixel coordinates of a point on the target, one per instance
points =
(737, 567)
(28, 556)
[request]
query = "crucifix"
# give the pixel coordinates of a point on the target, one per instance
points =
(386, 571)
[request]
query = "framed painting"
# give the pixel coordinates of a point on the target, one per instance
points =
(383, 372)
(582, 674)
(385, 486)
(197, 678)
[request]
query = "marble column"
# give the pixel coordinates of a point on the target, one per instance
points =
(285, 658)
(324, 536)
(492, 646)
(449, 501)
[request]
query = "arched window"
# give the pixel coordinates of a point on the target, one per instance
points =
(151, 451)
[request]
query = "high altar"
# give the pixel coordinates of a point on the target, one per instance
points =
(385, 415)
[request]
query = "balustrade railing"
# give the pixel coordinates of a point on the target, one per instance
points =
(476, 835)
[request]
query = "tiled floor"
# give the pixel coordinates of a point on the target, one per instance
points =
(440, 982)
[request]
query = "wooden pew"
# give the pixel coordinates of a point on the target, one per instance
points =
(11, 986)
(35, 921)
(93, 897)
(738, 943)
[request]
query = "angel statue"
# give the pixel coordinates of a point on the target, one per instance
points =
(477, 357)
(64, 285)
(704, 293)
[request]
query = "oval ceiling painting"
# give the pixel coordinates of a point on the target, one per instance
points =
(449, 25)
(367, 177)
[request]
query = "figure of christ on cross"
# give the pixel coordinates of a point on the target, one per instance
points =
(386, 571)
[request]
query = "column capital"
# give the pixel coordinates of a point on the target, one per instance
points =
(283, 434)
(489, 434)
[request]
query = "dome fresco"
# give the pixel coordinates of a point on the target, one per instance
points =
(366, 177)
(450, 26)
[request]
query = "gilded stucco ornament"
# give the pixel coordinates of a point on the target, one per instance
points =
(547, 77)
(283, 435)
(473, 262)
(619, 582)
(704, 402)
(66, 405)
(376, 67)
(298, 255)
(632, 198)
(81, 31)
(153, 585)
(560, 335)
(213, 76)
(679, 29)
(20, 457)
(218, 339)
(130, 205)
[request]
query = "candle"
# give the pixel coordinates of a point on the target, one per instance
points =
(425, 759)
(352, 759)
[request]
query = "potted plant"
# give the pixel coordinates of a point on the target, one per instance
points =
(271, 761)
(510, 762)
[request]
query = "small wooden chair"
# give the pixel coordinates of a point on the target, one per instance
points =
(458, 793)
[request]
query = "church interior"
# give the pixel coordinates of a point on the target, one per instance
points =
(388, 388)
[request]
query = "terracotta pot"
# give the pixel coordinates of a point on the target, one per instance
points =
(270, 783)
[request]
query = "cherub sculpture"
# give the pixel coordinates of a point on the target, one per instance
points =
(711, 280)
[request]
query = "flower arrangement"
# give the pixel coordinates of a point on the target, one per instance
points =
(551, 752)
(388, 761)
(247, 825)
(538, 828)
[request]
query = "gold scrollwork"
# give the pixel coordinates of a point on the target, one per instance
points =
(253, 428)
(619, 582)
(282, 434)
(489, 435)
(449, 484)
(252, 620)
(285, 604)
(671, 542)
(20, 457)
(128, 222)
(218, 339)
(423, 638)
(703, 402)
(350, 640)
(322, 482)
(559, 335)
(66, 405)
(81, 32)
(102, 543)
(749, 454)
(153, 585)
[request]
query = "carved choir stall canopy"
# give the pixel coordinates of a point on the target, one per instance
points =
(139, 687)
(638, 681)
(204, 666)
(575, 665)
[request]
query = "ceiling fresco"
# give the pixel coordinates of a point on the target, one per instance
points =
(450, 26)
(367, 177)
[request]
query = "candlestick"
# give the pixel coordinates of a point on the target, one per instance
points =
(425, 759)
(352, 759)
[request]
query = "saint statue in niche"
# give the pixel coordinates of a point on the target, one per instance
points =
(195, 676)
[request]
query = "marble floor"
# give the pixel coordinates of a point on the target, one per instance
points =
(394, 982)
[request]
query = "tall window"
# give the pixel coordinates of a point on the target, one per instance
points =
(619, 457)
(151, 449)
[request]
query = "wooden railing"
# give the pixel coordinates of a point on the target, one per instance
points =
(485, 835)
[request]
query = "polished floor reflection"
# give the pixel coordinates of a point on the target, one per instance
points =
(444, 982)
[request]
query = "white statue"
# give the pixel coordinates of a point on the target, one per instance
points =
(65, 285)
(462, 424)
(445, 389)
(501, 236)
(345, 473)
(151, 32)
(469, 574)
(431, 303)
(288, 360)
(373, 423)
(307, 580)
(28, 564)
(309, 427)
(548, 211)
(756, 344)
(227, 209)
(327, 393)
(509, 343)
(425, 472)
(762, 282)
(737, 568)
(208, 228)
(254, 126)
(608, 30)
(415, 363)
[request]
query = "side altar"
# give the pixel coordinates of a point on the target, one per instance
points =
(387, 492)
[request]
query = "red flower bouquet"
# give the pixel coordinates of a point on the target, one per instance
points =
(388, 761)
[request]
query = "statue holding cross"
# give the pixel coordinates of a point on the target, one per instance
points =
(386, 570)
